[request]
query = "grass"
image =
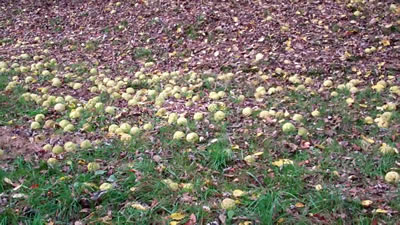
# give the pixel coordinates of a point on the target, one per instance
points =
(324, 175)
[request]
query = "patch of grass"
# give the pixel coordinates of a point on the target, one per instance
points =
(12, 106)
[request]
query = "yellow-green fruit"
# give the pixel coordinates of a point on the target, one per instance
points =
(39, 118)
(70, 146)
(212, 107)
(105, 187)
(392, 177)
(228, 203)
(125, 127)
(198, 116)
(302, 132)
(264, 114)
(187, 186)
(85, 144)
(178, 135)
(1, 152)
(315, 113)
(126, 137)
(297, 117)
(173, 186)
(52, 161)
(112, 128)
(69, 128)
(59, 107)
(387, 149)
(172, 118)
(56, 82)
(218, 116)
(110, 110)
(181, 121)
(93, 71)
(327, 83)
(35, 125)
(192, 137)
(47, 147)
(93, 166)
(368, 120)
(148, 126)
(57, 149)
(288, 127)
(134, 130)
(63, 123)
(247, 111)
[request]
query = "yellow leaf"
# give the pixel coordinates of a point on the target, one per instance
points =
(385, 42)
(238, 193)
(235, 147)
(381, 211)
(8, 181)
(177, 216)
(299, 205)
(369, 140)
(366, 203)
(139, 206)
(282, 162)
(363, 105)
(281, 220)
(258, 153)
(246, 223)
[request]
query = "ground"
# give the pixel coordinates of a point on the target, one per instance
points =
(199, 112)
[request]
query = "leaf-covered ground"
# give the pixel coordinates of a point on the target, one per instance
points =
(199, 112)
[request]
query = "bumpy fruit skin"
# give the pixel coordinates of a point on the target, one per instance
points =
(134, 130)
(288, 127)
(69, 146)
(218, 116)
(181, 121)
(52, 161)
(198, 116)
(148, 126)
(93, 166)
(178, 135)
(125, 127)
(315, 113)
(297, 117)
(228, 203)
(39, 118)
(192, 137)
(85, 144)
(110, 110)
(105, 187)
(126, 137)
(173, 186)
(35, 125)
(59, 107)
(302, 132)
(247, 111)
(392, 177)
(57, 149)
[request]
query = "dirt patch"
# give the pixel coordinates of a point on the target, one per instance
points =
(15, 143)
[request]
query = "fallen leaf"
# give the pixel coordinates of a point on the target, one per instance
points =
(177, 216)
(282, 162)
(366, 203)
